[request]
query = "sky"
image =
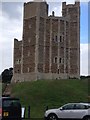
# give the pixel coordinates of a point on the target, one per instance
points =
(11, 24)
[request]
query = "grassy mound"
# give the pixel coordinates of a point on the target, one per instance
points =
(51, 93)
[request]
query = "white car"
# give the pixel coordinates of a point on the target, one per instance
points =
(69, 111)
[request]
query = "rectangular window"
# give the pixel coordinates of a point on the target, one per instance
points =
(60, 38)
(58, 71)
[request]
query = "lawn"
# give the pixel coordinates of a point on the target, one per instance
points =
(51, 93)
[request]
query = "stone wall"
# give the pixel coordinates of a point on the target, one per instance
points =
(50, 48)
(29, 44)
(17, 55)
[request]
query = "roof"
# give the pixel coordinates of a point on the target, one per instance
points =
(9, 98)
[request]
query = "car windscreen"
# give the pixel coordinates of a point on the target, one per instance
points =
(8, 103)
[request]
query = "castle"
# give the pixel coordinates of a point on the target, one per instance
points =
(50, 46)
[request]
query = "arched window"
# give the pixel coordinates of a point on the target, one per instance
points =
(55, 60)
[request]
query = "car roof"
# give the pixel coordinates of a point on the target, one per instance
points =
(78, 103)
(85, 103)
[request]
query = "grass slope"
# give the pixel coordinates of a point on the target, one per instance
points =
(42, 93)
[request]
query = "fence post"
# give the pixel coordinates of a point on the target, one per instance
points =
(28, 111)
(24, 112)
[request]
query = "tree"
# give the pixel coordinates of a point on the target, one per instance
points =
(7, 75)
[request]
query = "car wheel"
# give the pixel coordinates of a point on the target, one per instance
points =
(52, 117)
(87, 118)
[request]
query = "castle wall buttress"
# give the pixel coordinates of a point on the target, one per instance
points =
(29, 43)
(73, 13)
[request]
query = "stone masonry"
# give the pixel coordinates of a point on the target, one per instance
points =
(50, 46)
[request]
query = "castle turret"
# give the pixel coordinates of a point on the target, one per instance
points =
(32, 9)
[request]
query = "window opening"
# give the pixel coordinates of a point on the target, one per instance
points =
(55, 60)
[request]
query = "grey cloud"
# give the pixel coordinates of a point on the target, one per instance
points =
(12, 9)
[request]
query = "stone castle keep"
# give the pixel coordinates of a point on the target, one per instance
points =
(50, 46)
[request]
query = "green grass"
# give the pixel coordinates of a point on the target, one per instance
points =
(42, 93)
